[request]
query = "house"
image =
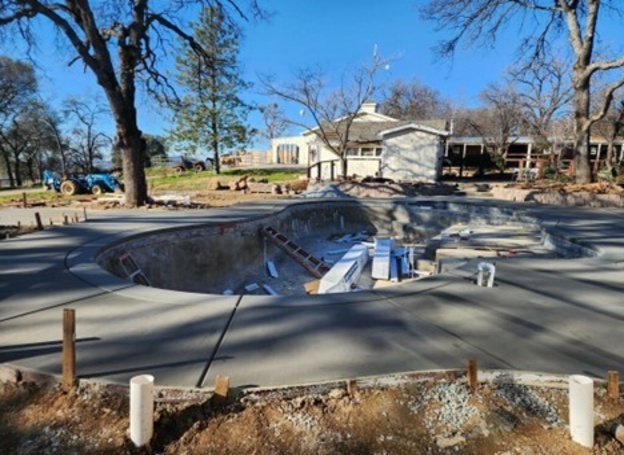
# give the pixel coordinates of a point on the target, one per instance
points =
(378, 146)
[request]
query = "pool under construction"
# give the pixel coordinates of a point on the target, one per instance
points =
(292, 251)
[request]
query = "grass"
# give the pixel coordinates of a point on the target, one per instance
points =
(30, 195)
(159, 179)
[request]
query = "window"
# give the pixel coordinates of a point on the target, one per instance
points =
(368, 151)
(352, 152)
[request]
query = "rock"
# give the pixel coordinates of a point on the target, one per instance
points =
(259, 187)
(336, 394)
(444, 443)
(8, 374)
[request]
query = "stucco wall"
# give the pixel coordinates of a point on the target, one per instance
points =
(412, 156)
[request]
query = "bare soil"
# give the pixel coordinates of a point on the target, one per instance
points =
(602, 187)
(438, 414)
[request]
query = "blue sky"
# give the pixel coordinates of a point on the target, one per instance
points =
(335, 35)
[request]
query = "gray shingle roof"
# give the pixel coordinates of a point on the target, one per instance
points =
(369, 131)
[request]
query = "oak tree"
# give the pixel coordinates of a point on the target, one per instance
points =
(121, 43)
(539, 24)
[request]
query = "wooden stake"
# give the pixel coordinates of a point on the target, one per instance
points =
(351, 386)
(65, 220)
(38, 220)
(613, 385)
(51, 222)
(84, 209)
(472, 374)
(69, 348)
(222, 387)
(24, 200)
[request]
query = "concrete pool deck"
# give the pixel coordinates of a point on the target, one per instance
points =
(559, 316)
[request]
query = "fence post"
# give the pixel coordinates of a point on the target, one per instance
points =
(472, 374)
(38, 220)
(613, 385)
(69, 348)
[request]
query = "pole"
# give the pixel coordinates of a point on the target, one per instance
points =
(141, 409)
(69, 348)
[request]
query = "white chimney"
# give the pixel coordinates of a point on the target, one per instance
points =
(369, 107)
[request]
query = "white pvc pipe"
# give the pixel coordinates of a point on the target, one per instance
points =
(482, 268)
(141, 409)
(582, 410)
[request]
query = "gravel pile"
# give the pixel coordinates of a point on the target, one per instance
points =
(525, 398)
(455, 408)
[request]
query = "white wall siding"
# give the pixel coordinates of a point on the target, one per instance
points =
(412, 156)
(363, 167)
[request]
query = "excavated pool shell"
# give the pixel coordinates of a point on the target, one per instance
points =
(212, 257)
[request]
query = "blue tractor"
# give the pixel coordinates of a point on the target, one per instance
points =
(90, 183)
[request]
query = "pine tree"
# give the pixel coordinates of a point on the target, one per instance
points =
(210, 114)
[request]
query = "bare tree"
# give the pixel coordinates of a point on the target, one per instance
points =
(499, 122)
(275, 122)
(414, 101)
(610, 127)
(52, 126)
(86, 139)
(138, 32)
(541, 22)
(332, 111)
(544, 92)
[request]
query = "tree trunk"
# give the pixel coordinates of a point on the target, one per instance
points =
(16, 170)
(610, 158)
(128, 137)
(344, 161)
(583, 170)
(132, 146)
(7, 166)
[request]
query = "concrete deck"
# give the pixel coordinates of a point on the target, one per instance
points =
(558, 316)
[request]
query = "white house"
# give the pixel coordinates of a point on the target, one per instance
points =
(378, 146)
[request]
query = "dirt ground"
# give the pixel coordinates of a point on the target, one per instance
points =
(435, 414)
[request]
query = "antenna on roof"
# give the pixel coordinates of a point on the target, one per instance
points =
(375, 50)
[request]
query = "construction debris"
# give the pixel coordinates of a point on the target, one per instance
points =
(312, 264)
(345, 274)
(268, 289)
(381, 260)
(271, 269)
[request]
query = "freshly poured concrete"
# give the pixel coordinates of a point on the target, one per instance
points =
(560, 316)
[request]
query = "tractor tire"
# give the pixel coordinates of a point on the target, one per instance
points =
(97, 190)
(199, 167)
(69, 188)
(178, 170)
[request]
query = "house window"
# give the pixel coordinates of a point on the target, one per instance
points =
(368, 151)
(378, 151)
(352, 152)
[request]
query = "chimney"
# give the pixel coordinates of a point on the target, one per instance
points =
(369, 107)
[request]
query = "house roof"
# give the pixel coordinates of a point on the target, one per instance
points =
(437, 127)
(362, 131)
